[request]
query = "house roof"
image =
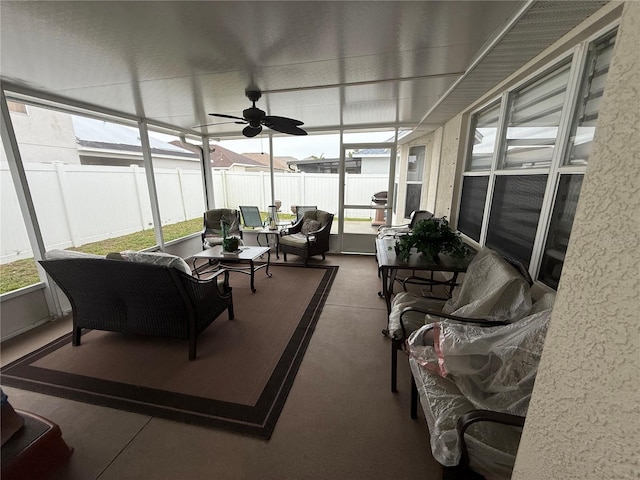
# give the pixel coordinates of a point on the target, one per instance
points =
(224, 158)
(279, 163)
(102, 135)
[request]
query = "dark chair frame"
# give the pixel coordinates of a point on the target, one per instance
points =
(212, 227)
(317, 241)
(141, 299)
(300, 209)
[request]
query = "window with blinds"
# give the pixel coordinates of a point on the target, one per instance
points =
(564, 211)
(523, 135)
(534, 116)
(591, 90)
(515, 212)
(483, 143)
(474, 194)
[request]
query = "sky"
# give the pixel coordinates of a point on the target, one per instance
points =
(327, 146)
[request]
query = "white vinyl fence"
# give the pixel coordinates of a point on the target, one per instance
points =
(80, 204)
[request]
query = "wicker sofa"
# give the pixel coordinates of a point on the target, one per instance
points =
(139, 297)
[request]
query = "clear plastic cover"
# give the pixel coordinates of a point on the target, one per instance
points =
(462, 367)
(491, 289)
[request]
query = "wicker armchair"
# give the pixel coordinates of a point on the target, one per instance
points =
(138, 298)
(307, 237)
(212, 230)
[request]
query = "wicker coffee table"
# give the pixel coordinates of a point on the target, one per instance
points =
(233, 262)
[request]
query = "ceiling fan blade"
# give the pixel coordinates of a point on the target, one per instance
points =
(249, 131)
(291, 130)
(227, 116)
(283, 125)
(270, 120)
(217, 123)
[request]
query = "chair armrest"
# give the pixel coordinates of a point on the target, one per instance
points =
(477, 321)
(295, 228)
(473, 416)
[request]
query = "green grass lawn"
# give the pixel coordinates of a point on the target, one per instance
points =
(23, 273)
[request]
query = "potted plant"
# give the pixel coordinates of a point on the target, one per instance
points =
(229, 244)
(431, 237)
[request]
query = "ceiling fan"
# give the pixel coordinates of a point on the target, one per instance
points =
(255, 119)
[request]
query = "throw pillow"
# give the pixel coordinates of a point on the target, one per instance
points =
(157, 258)
(310, 226)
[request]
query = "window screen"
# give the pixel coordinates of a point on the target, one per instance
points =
(474, 193)
(534, 116)
(591, 90)
(515, 211)
(564, 211)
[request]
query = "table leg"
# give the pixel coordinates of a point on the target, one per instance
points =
(269, 274)
(252, 270)
(454, 282)
(195, 270)
(266, 236)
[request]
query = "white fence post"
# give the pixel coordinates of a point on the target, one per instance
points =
(224, 190)
(139, 191)
(181, 186)
(67, 204)
(303, 197)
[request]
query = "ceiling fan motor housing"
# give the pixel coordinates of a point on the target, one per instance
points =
(253, 115)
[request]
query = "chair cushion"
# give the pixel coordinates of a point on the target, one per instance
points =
(297, 240)
(157, 258)
(309, 226)
(412, 320)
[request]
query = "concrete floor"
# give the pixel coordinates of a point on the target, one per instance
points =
(340, 420)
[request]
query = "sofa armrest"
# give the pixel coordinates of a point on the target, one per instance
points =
(474, 416)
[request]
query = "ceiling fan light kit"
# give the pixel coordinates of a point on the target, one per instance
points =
(256, 118)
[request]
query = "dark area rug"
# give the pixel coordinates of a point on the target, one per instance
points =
(239, 382)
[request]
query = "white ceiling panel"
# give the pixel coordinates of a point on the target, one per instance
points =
(328, 64)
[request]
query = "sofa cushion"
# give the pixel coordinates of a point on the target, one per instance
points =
(157, 258)
(65, 254)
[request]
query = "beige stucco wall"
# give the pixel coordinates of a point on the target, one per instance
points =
(451, 154)
(584, 417)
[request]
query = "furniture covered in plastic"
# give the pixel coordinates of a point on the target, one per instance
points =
(140, 296)
(396, 230)
(308, 237)
(492, 289)
(474, 382)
